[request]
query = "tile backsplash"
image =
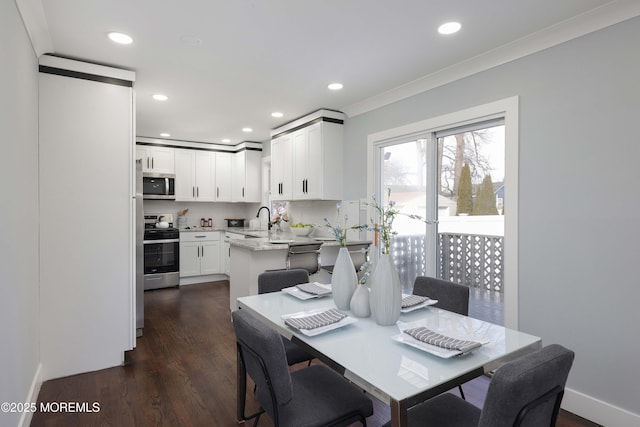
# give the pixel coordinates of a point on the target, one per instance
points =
(311, 212)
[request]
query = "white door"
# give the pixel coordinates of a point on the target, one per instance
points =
(300, 159)
(314, 178)
(205, 176)
(162, 159)
(189, 259)
(185, 186)
(210, 257)
(223, 177)
(281, 165)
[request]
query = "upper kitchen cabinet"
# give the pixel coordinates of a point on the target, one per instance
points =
(223, 176)
(156, 159)
(208, 172)
(245, 185)
(195, 175)
(281, 172)
(306, 158)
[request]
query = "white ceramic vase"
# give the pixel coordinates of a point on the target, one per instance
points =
(343, 280)
(360, 302)
(386, 292)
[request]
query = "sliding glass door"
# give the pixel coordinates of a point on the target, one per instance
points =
(454, 177)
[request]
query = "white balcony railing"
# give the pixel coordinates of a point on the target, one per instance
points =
(472, 260)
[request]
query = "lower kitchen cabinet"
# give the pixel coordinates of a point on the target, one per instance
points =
(200, 253)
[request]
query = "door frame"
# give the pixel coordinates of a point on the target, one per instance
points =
(508, 109)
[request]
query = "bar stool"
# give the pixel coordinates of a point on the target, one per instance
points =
(305, 256)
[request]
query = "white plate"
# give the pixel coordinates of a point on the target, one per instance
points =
(432, 349)
(417, 306)
(294, 291)
(317, 331)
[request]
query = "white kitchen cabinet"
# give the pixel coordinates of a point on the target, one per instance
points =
(199, 253)
(281, 168)
(205, 176)
(245, 185)
(225, 254)
(195, 175)
(317, 165)
(306, 158)
(156, 159)
(223, 167)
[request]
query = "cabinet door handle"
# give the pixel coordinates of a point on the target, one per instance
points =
(242, 192)
(193, 192)
(202, 252)
(197, 191)
(217, 191)
(152, 163)
(198, 251)
(147, 162)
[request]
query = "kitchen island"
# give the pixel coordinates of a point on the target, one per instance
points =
(253, 256)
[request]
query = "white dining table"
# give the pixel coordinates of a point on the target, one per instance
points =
(398, 374)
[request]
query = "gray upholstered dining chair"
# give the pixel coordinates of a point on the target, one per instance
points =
(274, 281)
(313, 396)
(451, 296)
(524, 392)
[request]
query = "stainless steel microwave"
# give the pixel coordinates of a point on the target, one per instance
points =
(158, 186)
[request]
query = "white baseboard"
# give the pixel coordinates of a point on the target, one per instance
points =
(32, 397)
(202, 279)
(598, 411)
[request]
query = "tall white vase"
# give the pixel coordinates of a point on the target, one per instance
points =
(386, 292)
(343, 280)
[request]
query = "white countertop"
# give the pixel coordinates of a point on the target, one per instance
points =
(280, 241)
(239, 230)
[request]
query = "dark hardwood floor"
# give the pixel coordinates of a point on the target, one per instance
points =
(182, 372)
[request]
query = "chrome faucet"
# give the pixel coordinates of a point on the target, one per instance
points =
(268, 219)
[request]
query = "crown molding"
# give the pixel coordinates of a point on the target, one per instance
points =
(35, 22)
(601, 17)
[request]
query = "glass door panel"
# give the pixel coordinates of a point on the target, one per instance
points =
(471, 216)
(405, 174)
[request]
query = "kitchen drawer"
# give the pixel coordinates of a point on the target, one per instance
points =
(199, 236)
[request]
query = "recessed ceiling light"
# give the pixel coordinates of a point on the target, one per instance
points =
(335, 86)
(120, 38)
(226, 140)
(165, 135)
(247, 130)
(449, 28)
(160, 97)
(277, 114)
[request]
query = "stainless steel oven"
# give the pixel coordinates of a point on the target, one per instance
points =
(161, 254)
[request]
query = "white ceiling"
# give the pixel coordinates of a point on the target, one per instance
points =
(260, 56)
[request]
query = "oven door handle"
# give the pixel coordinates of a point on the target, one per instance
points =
(147, 242)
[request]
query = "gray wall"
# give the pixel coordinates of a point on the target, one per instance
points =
(578, 197)
(19, 352)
